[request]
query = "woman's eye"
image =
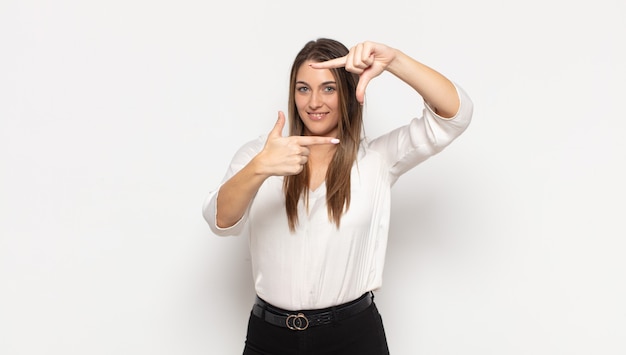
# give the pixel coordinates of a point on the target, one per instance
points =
(302, 89)
(329, 89)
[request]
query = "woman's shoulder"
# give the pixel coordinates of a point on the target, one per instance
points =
(253, 146)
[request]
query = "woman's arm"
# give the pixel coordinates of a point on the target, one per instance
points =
(370, 59)
(280, 156)
(436, 89)
(236, 193)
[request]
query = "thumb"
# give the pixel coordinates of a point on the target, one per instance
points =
(364, 80)
(277, 131)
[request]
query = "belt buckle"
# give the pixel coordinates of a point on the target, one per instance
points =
(297, 321)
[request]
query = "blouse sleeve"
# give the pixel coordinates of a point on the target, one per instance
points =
(425, 136)
(209, 207)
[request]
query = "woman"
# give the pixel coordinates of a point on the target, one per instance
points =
(315, 204)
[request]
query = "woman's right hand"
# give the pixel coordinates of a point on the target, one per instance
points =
(280, 156)
(286, 155)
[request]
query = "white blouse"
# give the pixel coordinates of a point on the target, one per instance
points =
(319, 265)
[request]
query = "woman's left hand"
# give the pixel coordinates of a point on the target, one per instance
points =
(368, 59)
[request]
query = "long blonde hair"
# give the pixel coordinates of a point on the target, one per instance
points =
(350, 128)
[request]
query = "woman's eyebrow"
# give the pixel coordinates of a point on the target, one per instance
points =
(322, 84)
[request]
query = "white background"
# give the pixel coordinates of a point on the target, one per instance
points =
(117, 117)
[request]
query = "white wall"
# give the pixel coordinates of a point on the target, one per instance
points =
(117, 117)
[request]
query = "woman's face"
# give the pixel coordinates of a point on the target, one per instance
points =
(317, 101)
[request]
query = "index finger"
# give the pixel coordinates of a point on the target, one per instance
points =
(313, 140)
(332, 63)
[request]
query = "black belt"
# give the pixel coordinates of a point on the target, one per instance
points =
(302, 320)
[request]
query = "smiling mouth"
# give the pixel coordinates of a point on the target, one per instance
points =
(316, 116)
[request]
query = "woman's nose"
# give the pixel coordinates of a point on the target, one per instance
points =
(316, 100)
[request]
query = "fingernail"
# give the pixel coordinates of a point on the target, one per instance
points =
(334, 141)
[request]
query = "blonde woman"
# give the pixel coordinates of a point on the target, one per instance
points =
(315, 203)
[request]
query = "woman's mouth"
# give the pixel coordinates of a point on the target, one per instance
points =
(316, 116)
